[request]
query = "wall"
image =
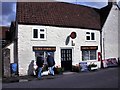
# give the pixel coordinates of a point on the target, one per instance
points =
(56, 36)
(11, 47)
(6, 62)
(110, 35)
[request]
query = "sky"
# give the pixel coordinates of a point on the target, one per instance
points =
(8, 11)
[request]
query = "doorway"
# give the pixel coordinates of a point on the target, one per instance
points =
(66, 59)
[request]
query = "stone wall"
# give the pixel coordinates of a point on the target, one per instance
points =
(6, 63)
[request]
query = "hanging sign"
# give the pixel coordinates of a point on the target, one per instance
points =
(73, 35)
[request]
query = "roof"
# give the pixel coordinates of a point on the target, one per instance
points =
(4, 36)
(58, 14)
(3, 32)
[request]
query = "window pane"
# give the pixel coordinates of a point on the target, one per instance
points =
(42, 36)
(93, 55)
(92, 36)
(85, 55)
(41, 30)
(88, 37)
(87, 32)
(35, 33)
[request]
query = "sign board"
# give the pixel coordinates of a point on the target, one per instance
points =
(110, 62)
(89, 47)
(83, 66)
(37, 48)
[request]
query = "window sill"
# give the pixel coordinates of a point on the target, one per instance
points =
(90, 41)
(38, 40)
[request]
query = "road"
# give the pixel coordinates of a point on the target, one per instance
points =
(103, 78)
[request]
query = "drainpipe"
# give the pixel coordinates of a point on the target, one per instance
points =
(104, 47)
(101, 48)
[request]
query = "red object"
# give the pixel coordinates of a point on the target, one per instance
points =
(73, 35)
(99, 56)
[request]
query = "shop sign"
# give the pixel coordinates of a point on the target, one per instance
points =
(89, 47)
(35, 48)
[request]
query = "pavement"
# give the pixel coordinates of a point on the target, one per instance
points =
(26, 78)
(32, 78)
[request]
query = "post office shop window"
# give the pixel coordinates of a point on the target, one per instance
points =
(44, 54)
(39, 34)
(90, 36)
(88, 55)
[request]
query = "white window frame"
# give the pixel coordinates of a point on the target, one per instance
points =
(89, 55)
(39, 32)
(90, 35)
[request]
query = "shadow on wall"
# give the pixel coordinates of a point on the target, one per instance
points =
(31, 69)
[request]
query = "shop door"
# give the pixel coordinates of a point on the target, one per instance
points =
(66, 59)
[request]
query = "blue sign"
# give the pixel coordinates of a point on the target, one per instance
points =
(83, 66)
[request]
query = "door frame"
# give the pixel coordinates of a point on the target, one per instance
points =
(72, 48)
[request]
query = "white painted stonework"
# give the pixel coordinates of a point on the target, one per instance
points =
(11, 47)
(56, 36)
(110, 35)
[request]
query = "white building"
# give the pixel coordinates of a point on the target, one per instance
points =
(110, 35)
(70, 32)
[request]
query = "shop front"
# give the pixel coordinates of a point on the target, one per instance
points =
(90, 55)
(42, 50)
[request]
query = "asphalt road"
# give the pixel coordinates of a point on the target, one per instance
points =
(103, 78)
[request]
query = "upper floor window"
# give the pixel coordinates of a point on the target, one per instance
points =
(39, 34)
(90, 36)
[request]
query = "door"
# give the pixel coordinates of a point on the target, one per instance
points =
(66, 59)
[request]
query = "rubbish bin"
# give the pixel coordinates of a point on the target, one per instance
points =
(13, 67)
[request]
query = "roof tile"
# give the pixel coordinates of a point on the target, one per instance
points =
(58, 14)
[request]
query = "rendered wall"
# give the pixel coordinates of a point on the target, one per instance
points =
(56, 36)
(110, 35)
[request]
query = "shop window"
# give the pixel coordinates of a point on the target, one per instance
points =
(39, 34)
(90, 36)
(88, 55)
(44, 54)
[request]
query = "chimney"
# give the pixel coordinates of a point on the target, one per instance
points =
(112, 2)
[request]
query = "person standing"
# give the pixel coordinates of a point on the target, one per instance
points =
(39, 63)
(51, 63)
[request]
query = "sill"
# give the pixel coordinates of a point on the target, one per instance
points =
(90, 41)
(38, 40)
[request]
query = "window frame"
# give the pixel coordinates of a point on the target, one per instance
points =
(39, 32)
(90, 36)
(89, 55)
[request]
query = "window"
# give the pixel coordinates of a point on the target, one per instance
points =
(39, 34)
(35, 33)
(88, 55)
(44, 54)
(90, 36)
